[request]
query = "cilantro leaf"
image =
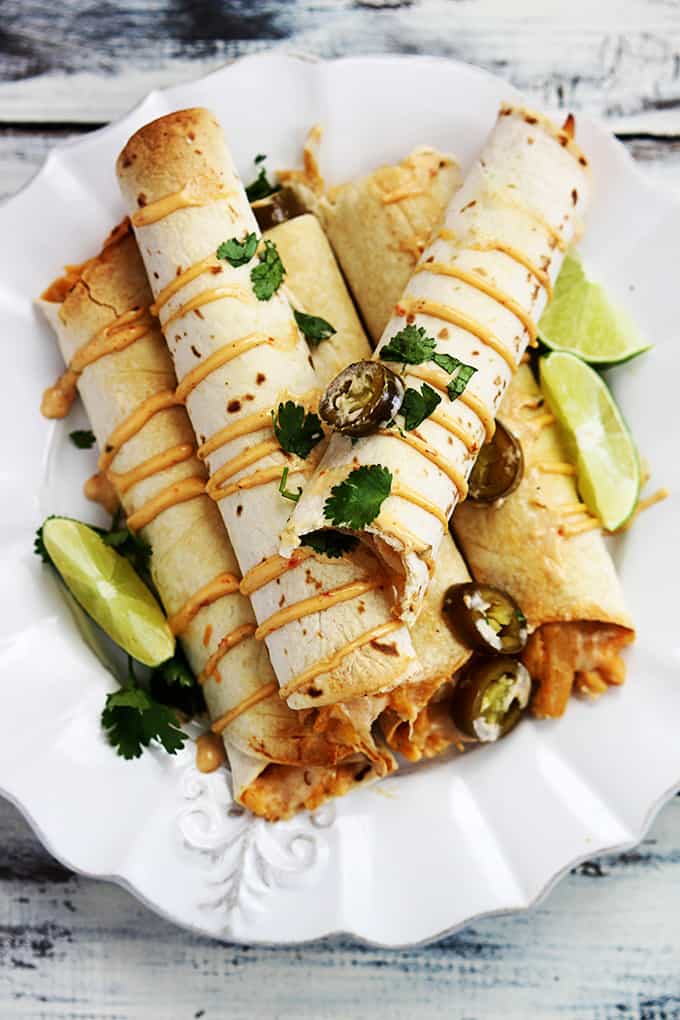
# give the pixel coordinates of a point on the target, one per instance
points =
(82, 438)
(411, 346)
(463, 376)
(38, 544)
(132, 719)
(260, 187)
(292, 496)
(236, 252)
(173, 684)
(268, 275)
(447, 362)
(314, 328)
(330, 543)
(416, 407)
(297, 431)
(356, 501)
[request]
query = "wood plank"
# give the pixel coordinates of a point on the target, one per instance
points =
(604, 944)
(615, 59)
(22, 152)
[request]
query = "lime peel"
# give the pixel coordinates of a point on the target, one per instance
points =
(107, 587)
(581, 320)
(607, 463)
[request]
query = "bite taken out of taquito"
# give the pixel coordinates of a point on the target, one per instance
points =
(538, 544)
(239, 356)
(467, 315)
(316, 286)
(119, 362)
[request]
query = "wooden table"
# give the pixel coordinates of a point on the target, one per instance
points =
(605, 944)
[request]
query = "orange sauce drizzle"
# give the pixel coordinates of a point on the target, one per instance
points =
(135, 421)
(422, 306)
(540, 275)
(178, 282)
(333, 661)
(186, 198)
(250, 423)
(427, 451)
(210, 752)
(270, 569)
(112, 338)
(206, 297)
(476, 281)
(242, 460)
(159, 462)
(266, 691)
(221, 357)
(228, 642)
(316, 604)
(557, 467)
(404, 492)
(179, 492)
(223, 584)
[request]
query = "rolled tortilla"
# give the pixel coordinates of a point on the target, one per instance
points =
(327, 623)
(478, 290)
(269, 746)
(316, 285)
(566, 584)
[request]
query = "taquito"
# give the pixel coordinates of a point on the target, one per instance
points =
(538, 543)
(316, 285)
(120, 364)
(238, 356)
(475, 296)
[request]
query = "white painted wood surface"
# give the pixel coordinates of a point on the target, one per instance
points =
(605, 944)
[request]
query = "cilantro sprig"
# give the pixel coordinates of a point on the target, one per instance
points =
(333, 544)
(412, 346)
(356, 501)
(314, 328)
(132, 719)
(83, 439)
(268, 274)
(417, 406)
(298, 431)
(238, 253)
(261, 187)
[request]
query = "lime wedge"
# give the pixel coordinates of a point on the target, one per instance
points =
(601, 446)
(581, 319)
(107, 588)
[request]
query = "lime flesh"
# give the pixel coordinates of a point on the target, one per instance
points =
(107, 588)
(602, 447)
(581, 320)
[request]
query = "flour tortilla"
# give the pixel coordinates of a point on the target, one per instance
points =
(189, 545)
(526, 190)
(187, 150)
(567, 587)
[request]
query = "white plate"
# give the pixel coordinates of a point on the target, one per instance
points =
(428, 850)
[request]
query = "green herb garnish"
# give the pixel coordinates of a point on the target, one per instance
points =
(132, 719)
(333, 544)
(314, 328)
(260, 187)
(410, 346)
(174, 684)
(82, 438)
(356, 501)
(463, 376)
(236, 252)
(268, 275)
(298, 431)
(416, 407)
(286, 493)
